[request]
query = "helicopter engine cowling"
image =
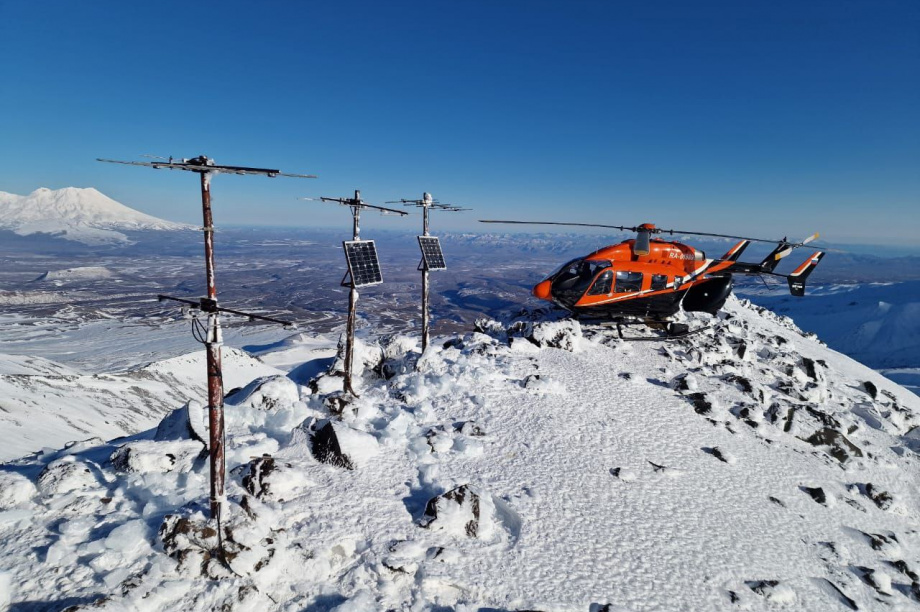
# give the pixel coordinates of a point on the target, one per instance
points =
(709, 296)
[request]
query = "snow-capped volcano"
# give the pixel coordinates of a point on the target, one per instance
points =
(81, 214)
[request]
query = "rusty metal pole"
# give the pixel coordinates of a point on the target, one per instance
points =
(352, 303)
(214, 340)
(425, 316)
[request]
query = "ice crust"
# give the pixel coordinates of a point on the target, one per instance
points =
(597, 475)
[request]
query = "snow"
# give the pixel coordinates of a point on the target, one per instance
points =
(535, 465)
(875, 323)
(44, 404)
(79, 274)
(80, 214)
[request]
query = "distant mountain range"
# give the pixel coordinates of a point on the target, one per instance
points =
(80, 214)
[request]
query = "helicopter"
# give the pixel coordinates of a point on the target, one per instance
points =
(650, 279)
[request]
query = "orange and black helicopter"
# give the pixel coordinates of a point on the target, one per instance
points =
(649, 279)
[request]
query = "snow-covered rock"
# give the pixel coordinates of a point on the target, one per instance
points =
(340, 445)
(45, 404)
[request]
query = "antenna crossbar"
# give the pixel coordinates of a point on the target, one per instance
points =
(203, 164)
(209, 305)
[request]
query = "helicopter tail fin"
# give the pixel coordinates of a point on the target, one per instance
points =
(770, 262)
(735, 252)
(798, 277)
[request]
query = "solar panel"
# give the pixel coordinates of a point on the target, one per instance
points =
(431, 251)
(363, 264)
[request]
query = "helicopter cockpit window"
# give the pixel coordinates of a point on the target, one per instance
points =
(659, 282)
(575, 276)
(602, 285)
(628, 282)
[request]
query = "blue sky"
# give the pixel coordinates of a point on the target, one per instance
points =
(765, 118)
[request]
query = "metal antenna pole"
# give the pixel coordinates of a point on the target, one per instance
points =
(212, 346)
(426, 202)
(206, 168)
(365, 272)
(352, 303)
(431, 247)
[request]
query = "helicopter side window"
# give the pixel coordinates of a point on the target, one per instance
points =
(659, 282)
(628, 282)
(602, 284)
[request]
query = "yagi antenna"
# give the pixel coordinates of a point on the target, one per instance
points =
(211, 336)
(363, 269)
(432, 255)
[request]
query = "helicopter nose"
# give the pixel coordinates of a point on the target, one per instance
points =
(542, 290)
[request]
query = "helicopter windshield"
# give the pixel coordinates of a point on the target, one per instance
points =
(575, 277)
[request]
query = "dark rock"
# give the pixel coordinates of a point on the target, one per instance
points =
(878, 541)
(680, 383)
(740, 349)
(733, 597)
(700, 404)
(867, 575)
(469, 428)
(761, 587)
(258, 479)
(871, 389)
(816, 493)
(337, 403)
(881, 498)
(809, 366)
(824, 418)
(190, 542)
(777, 501)
(840, 448)
(835, 591)
(462, 496)
(902, 567)
(853, 503)
(790, 414)
(456, 343)
(790, 390)
(327, 447)
(740, 381)
(716, 452)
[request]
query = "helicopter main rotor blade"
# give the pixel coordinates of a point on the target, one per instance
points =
(674, 231)
(619, 227)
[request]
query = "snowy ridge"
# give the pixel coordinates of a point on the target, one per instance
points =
(83, 215)
(44, 404)
(528, 465)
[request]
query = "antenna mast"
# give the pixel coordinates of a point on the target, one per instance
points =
(213, 338)
(363, 269)
(432, 256)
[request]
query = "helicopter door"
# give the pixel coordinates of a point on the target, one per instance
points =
(602, 285)
(628, 282)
